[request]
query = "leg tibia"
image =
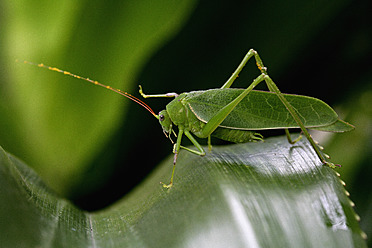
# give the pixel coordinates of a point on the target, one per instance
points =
(290, 139)
(157, 95)
(251, 53)
(272, 87)
(209, 144)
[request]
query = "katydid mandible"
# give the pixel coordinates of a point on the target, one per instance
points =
(233, 114)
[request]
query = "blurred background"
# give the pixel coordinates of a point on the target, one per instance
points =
(93, 146)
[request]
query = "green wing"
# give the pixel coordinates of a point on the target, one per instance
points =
(261, 110)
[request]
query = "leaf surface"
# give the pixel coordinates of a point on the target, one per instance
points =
(262, 194)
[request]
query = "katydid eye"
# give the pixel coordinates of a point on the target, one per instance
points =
(161, 117)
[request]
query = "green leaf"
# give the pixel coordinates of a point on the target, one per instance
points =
(264, 194)
(64, 122)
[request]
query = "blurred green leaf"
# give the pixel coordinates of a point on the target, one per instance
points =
(265, 194)
(62, 124)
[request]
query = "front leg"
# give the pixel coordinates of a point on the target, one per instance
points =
(157, 95)
(176, 149)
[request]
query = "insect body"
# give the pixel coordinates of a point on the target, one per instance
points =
(235, 114)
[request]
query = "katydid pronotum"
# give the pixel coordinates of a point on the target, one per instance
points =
(233, 114)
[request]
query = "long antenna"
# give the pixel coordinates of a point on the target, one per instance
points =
(123, 93)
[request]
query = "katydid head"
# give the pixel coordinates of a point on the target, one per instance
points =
(165, 121)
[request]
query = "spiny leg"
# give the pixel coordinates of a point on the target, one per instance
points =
(222, 114)
(176, 149)
(272, 87)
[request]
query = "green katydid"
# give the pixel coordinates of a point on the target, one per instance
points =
(233, 114)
